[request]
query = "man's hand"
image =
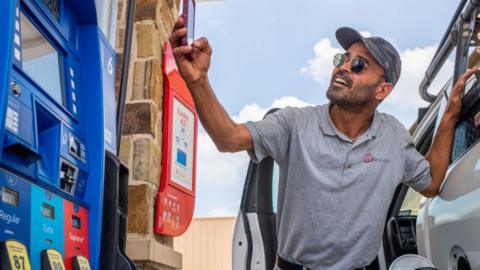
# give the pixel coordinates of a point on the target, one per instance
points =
(441, 149)
(454, 105)
(193, 61)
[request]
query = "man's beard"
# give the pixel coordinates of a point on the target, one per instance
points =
(353, 98)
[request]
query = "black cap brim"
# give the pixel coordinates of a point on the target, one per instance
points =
(346, 36)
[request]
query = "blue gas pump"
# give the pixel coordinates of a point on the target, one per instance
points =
(58, 132)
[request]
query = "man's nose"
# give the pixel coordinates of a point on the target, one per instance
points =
(346, 66)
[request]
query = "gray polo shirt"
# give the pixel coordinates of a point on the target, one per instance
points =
(334, 193)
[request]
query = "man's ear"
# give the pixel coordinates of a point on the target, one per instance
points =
(383, 90)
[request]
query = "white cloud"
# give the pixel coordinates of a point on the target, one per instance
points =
(253, 112)
(415, 62)
(289, 101)
(218, 169)
(250, 112)
(320, 67)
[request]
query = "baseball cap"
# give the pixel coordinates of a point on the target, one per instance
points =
(385, 54)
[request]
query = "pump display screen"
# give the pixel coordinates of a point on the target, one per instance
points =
(9, 196)
(48, 211)
(76, 222)
(54, 7)
(41, 61)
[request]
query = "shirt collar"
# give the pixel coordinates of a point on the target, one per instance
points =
(328, 128)
(326, 124)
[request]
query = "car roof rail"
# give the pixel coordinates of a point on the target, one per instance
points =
(461, 23)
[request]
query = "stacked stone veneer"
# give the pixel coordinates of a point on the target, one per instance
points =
(142, 129)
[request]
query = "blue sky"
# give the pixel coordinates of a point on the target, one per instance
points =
(276, 53)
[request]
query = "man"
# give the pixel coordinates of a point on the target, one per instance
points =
(340, 162)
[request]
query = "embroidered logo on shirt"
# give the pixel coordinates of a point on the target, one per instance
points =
(368, 158)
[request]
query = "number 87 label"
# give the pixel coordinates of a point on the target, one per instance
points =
(17, 255)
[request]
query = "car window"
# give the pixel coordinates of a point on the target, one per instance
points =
(466, 132)
(275, 178)
(411, 203)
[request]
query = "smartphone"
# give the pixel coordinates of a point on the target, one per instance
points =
(188, 14)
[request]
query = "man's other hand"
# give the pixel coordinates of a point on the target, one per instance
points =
(439, 154)
(193, 61)
(454, 105)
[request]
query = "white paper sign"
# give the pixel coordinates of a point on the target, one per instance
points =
(182, 145)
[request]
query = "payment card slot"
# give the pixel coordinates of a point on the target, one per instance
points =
(14, 256)
(68, 176)
(73, 166)
(73, 146)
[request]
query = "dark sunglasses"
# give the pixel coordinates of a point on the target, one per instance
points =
(357, 64)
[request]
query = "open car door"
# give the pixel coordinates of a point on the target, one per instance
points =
(254, 242)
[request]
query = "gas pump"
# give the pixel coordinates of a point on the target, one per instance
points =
(57, 134)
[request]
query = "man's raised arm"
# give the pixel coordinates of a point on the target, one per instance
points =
(439, 154)
(193, 63)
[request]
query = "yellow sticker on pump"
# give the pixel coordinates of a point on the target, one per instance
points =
(83, 263)
(55, 259)
(17, 255)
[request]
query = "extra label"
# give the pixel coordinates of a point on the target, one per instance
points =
(81, 263)
(55, 260)
(17, 255)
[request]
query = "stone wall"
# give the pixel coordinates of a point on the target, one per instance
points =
(142, 130)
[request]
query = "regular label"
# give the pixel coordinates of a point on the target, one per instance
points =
(18, 256)
(182, 145)
(55, 260)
